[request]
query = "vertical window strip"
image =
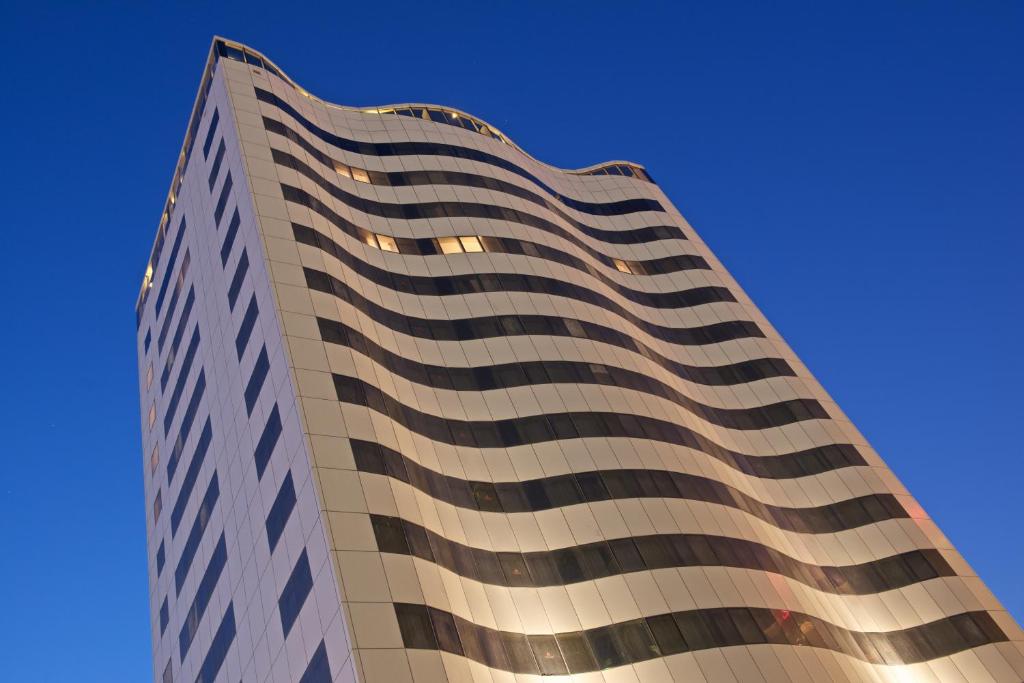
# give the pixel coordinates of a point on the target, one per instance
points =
(214, 120)
(218, 211)
(246, 328)
(203, 595)
(295, 592)
(256, 380)
(268, 439)
(195, 536)
(170, 266)
(219, 647)
(236, 282)
(179, 386)
(229, 238)
(186, 425)
(187, 484)
(217, 160)
(280, 511)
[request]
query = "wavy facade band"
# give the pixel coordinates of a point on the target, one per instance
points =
(430, 410)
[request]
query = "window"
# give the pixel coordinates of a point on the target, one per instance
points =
(195, 536)
(621, 266)
(471, 244)
(154, 459)
(387, 243)
(210, 133)
(229, 238)
(280, 511)
(218, 211)
(360, 175)
(168, 676)
(160, 558)
(164, 616)
(149, 376)
(342, 169)
(414, 623)
(449, 245)
(152, 415)
(256, 379)
(295, 593)
(203, 595)
(218, 648)
(268, 439)
(158, 505)
(246, 327)
(191, 475)
(147, 341)
(319, 668)
(239, 277)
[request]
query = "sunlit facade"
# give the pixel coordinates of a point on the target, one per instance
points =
(417, 407)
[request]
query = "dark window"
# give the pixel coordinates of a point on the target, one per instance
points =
(179, 333)
(219, 647)
(256, 379)
(164, 616)
(295, 592)
(319, 669)
(576, 652)
(170, 266)
(549, 657)
(236, 282)
(280, 511)
(218, 211)
(217, 159)
(202, 598)
(268, 439)
(245, 329)
(188, 553)
(166, 326)
(186, 425)
(666, 634)
(160, 558)
(149, 338)
(229, 238)
(168, 676)
(214, 120)
(179, 386)
(389, 534)
(190, 476)
(414, 622)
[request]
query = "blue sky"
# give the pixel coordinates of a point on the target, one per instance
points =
(857, 166)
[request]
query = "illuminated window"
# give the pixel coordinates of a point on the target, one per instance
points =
(621, 266)
(449, 245)
(149, 376)
(387, 243)
(158, 505)
(369, 238)
(342, 169)
(154, 459)
(152, 415)
(471, 243)
(360, 175)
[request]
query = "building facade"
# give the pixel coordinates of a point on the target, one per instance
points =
(418, 407)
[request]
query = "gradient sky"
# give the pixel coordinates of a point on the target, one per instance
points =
(859, 167)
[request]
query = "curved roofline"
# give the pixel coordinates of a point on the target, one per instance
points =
(389, 108)
(199, 104)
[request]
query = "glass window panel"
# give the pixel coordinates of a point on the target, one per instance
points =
(471, 244)
(576, 652)
(549, 657)
(387, 243)
(449, 245)
(360, 175)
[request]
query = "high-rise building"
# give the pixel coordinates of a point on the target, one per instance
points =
(419, 407)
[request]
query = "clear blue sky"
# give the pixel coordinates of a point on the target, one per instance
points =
(857, 166)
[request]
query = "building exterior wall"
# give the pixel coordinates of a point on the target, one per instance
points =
(567, 444)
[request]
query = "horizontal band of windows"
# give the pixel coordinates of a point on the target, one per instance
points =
(486, 327)
(166, 325)
(534, 373)
(739, 373)
(615, 557)
(444, 177)
(484, 283)
(662, 635)
(431, 246)
(581, 425)
(464, 209)
(536, 495)
(389, 149)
